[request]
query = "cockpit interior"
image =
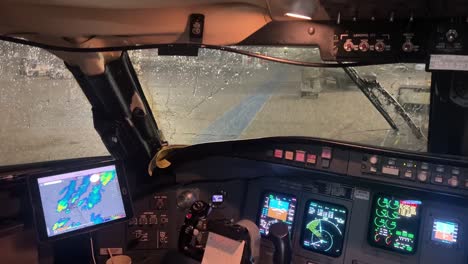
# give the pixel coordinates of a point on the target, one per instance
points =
(247, 131)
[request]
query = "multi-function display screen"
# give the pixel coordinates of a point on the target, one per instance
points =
(395, 223)
(324, 228)
(277, 207)
(444, 231)
(80, 199)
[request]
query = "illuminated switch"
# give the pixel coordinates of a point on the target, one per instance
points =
(390, 171)
(278, 153)
(440, 169)
(289, 155)
(424, 166)
(300, 155)
(453, 181)
(438, 179)
(143, 220)
(408, 175)
(160, 202)
(423, 176)
(311, 158)
(163, 239)
(326, 153)
(373, 169)
(373, 160)
(164, 219)
(153, 220)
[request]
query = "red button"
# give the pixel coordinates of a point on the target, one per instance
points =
(300, 155)
(311, 158)
(278, 153)
(326, 153)
(188, 216)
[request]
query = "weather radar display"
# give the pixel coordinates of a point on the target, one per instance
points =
(76, 200)
(324, 228)
(276, 208)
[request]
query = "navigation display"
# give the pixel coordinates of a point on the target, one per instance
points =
(277, 207)
(80, 199)
(444, 231)
(324, 228)
(395, 223)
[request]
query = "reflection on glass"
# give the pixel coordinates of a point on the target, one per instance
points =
(45, 115)
(225, 96)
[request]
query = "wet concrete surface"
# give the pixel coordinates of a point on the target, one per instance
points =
(266, 101)
(44, 119)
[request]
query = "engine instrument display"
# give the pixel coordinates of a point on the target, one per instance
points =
(445, 232)
(276, 207)
(395, 223)
(324, 228)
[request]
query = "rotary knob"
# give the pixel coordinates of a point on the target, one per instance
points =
(186, 198)
(348, 46)
(451, 35)
(364, 46)
(408, 46)
(379, 46)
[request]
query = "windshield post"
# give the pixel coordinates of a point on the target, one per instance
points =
(120, 111)
(448, 121)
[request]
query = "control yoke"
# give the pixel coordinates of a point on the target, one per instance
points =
(279, 236)
(192, 238)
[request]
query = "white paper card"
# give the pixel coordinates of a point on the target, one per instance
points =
(220, 249)
(449, 62)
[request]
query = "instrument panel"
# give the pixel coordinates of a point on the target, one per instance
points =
(324, 227)
(343, 203)
(276, 207)
(381, 225)
(367, 206)
(384, 39)
(394, 223)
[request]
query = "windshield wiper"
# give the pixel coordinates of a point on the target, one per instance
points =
(380, 98)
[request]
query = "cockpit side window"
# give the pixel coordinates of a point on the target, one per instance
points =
(44, 114)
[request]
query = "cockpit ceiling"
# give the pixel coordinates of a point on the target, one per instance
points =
(227, 22)
(125, 4)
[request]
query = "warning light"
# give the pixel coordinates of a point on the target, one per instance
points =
(311, 158)
(326, 153)
(289, 155)
(300, 155)
(278, 153)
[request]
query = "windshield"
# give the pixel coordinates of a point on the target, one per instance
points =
(45, 115)
(226, 96)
